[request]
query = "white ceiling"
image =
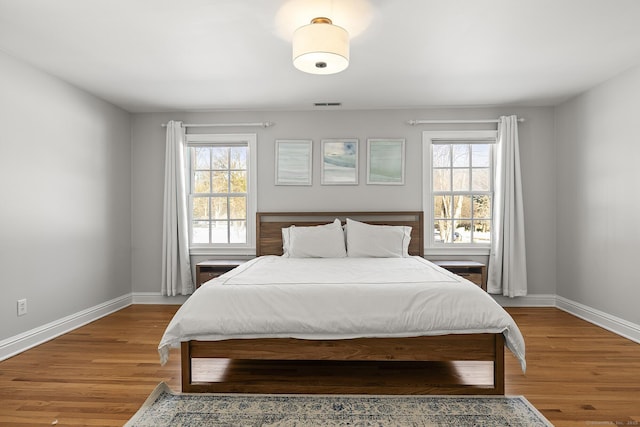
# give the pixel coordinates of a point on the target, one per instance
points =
(168, 55)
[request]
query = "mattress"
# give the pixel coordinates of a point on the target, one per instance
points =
(338, 298)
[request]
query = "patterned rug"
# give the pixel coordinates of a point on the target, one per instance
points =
(165, 408)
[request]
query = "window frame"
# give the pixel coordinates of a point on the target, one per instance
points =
(226, 140)
(428, 139)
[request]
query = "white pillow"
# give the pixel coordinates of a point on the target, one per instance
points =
(320, 241)
(378, 241)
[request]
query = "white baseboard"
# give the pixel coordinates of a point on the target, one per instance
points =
(535, 300)
(26, 340)
(600, 318)
(157, 298)
(22, 342)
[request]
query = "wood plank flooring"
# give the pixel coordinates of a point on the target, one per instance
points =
(99, 375)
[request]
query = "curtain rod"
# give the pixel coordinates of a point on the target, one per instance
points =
(213, 125)
(434, 122)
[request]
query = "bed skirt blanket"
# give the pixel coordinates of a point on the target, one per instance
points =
(338, 298)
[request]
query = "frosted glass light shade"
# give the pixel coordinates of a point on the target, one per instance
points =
(321, 47)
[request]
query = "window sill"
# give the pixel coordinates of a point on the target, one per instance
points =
(457, 251)
(244, 251)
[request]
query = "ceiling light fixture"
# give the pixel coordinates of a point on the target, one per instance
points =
(321, 47)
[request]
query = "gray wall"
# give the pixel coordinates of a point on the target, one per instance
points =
(598, 236)
(537, 152)
(65, 191)
(81, 190)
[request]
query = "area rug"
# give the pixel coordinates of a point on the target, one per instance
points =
(166, 408)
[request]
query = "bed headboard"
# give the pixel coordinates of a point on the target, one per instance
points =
(269, 226)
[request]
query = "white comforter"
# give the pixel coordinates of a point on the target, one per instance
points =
(338, 298)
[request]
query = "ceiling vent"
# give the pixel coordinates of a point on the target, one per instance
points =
(327, 104)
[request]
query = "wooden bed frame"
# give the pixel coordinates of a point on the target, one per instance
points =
(446, 348)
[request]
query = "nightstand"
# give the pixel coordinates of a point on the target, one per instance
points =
(475, 272)
(207, 270)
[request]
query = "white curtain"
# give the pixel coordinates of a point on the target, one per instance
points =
(507, 261)
(176, 267)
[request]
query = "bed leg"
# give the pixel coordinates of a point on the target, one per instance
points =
(186, 366)
(498, 365)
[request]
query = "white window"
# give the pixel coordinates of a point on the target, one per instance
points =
(221, 183)
(458, 190)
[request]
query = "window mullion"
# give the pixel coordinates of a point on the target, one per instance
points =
(471, 194)
(210, 197)
(451, 220)
(210, 217)
(229, 196)
(453, 216)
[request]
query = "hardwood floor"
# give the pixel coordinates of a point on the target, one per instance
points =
(99, 375)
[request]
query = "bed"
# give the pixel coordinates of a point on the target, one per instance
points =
(342, 308)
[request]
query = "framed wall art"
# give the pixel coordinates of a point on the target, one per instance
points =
(294, 162)
(385, 161)
(339, 161)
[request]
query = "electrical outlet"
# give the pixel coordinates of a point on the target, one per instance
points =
(22, 307)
